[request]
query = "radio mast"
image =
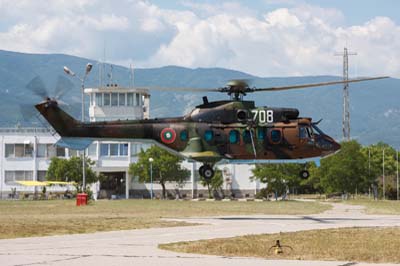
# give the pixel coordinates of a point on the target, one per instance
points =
(346, 98)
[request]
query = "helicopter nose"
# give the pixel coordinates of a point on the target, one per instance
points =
(327, 145)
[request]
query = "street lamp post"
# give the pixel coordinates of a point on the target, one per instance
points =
(71, 73)
(383, 172)
(369, 172)
(151, 177)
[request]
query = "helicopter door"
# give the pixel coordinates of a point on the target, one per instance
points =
(290, 134)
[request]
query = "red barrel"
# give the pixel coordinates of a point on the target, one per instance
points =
(84, 199)
(78, 199)
(81, 199)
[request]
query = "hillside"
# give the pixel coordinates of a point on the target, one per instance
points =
(375, 111)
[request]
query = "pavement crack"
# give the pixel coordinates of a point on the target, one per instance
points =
(52, 261)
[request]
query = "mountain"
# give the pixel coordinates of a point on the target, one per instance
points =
(374, 105)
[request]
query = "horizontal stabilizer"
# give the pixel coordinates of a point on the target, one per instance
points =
(74, 143)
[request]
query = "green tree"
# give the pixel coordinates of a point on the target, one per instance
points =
(213, 185)
(70, 170)
(374, 165)
(278, 176)
(166, 167)
(313, 182)
(344, 171)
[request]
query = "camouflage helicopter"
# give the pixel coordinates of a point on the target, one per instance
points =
(228, 130)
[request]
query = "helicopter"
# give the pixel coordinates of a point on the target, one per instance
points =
(229, 130)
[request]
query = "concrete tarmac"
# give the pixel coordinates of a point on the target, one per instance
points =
(139, 247)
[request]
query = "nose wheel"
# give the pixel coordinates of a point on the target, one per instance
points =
(304, 174)
(207, 172)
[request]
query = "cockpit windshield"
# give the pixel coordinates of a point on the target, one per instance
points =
(317, 131)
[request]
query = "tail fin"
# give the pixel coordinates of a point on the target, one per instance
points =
(62, 122)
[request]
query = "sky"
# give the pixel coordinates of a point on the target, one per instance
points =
(261, 37)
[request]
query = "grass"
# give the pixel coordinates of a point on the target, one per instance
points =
(378, 206)
(55, 217)
(377, 245)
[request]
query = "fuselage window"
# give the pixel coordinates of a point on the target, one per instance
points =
(234, 136)
(208, 135)
(184, 135)
(261, 133)
(247, 136)
(276, 136)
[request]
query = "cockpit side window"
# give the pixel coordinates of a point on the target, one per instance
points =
(305, 132)
(302, 132)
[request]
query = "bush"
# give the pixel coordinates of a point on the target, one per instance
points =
(262, 194)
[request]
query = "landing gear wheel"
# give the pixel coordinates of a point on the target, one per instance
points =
(201, 170)
(206, 172)
(304, 174)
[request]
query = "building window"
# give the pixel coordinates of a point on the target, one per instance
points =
(9, 150)
(41, 175)
(45, 151)
(19, 150)
(137, 99)
(104, 149)
(99, 99)
(73, 153)
(12, 176)
(51, 151)
(92, 150)
(122, 99)
(134, 149)
(41, 150)
(123, 149)
(234, 136)
(129, 99)
(114, 149)
(114, 99)
(107, 99)
(60, 152)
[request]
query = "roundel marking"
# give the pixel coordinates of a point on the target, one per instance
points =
(168, 135)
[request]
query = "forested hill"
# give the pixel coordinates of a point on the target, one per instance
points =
(375, 108)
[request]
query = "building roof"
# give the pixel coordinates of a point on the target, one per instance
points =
(141, 90)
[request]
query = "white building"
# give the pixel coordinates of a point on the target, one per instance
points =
(26, 152)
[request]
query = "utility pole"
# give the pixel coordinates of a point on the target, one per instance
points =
(346, 99)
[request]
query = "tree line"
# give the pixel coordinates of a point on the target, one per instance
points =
(354, 169)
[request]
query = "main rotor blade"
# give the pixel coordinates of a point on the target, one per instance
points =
(292, 87)
(183, 89)
(36, 85)
(63, 86)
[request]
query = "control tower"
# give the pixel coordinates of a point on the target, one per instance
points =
(113, 102)
(112, 157)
